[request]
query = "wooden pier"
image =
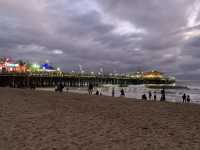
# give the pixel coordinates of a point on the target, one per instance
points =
(30, 80)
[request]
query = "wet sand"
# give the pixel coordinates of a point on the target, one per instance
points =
(39, 120)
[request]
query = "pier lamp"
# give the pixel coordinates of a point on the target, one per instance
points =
(58, 69)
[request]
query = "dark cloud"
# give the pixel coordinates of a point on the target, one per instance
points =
(151, 15)
(118, 35)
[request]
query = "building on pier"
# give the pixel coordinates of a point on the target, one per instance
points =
(8, 65)
(49, 68)
(153, 74)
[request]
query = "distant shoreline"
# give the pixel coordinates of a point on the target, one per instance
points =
(130, 98)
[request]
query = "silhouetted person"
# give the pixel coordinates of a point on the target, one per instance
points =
(162, 95)
(113, 92)
(61, 87)
(154, 96)
(97, 93)
(122, 92)
(188, 98)
(150, 95)
(184, 98)
(144, 97)
(90, 89)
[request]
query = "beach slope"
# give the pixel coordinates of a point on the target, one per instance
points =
(36, 120)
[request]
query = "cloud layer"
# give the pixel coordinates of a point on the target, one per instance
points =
(118, 35)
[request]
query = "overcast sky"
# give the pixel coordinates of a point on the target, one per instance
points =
(118, 35)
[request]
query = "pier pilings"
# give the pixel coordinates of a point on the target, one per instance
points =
(49, 80)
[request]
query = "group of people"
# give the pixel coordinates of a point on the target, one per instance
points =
(98, 92)
(90, 90)
(186, 98)
(144, 97)
(162, 98)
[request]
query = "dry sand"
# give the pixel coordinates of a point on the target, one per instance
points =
(35, 120)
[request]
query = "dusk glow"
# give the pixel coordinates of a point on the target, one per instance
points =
(118, 36)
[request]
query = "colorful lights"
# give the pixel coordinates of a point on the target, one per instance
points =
(148, 75)
(34, 68)
(153, 74)
(13, 65)
(48, 68)
(7, 65)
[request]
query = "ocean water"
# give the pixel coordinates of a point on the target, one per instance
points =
(135, 91)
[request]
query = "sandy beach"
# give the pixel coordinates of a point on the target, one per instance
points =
(39, 120)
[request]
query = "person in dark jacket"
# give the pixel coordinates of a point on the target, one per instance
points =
(162, 95)
(144, 97)
(113, 92)
(90, 89)
(150, 95)
(122, 92)
(184, 98)
(188, 98)
(154, 96)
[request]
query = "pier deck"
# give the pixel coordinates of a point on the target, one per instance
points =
(71, 80)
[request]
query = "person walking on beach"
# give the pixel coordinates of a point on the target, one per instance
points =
(90, 89)
(122, 92)
(113, 92)
(162, 95)
(97, 93)
(150, 95)
(154, 96)
(184, 98)
(188, 98)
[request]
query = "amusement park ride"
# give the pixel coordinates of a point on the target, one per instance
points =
(7, 65)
